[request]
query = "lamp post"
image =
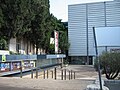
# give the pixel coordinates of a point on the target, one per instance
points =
(87, 38)
(97, 57)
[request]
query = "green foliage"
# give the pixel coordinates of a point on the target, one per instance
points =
(16, 16)
(3, 44)
(52, 49)
(37, 34)
(31, 19)
(110, 63)
(1, 18)
(63, 42)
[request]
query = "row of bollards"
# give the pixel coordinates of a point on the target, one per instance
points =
(71, 74)
(44, 74)
(64, 73)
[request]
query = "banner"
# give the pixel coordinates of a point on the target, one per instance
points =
(56, 34)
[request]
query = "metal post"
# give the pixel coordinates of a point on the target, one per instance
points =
(106, 49)
(10, 65)
(65, 75)
(55, 73)
(62, 63)
(36, 72)
(97, 57)
(71, 74)
(44, 74)
(61, 74)
(47, 73)
(74, 75)
(87, 38)
(52, 74)
(21, 72)
(31, 73)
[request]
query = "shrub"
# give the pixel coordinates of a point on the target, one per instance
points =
(110, 63)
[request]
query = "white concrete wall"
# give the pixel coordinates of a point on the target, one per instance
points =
(12, 44)
(23, 46)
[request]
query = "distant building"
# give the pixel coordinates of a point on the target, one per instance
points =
(23, 46)
(81, 20)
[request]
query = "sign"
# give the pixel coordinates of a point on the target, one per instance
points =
(56, 41)
(108, 36)
(3, 58)
(4, 66)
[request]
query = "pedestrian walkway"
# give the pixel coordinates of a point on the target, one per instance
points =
(80, 71)
(85, 75)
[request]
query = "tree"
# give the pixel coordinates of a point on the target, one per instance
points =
(110, 63)
(37, 33)
(63, 38)
(30, 19)
(1, 17)
(63, 42)
(16, 16)
(3, 44)
(49, 30)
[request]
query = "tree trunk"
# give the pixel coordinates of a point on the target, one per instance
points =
(107, 76)
(36, 50)
(27, 47)
(33, 48)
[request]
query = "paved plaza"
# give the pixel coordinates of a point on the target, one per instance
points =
(85, 75)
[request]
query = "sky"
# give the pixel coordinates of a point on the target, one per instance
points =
(59, 8)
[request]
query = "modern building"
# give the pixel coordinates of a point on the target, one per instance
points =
(81, 20)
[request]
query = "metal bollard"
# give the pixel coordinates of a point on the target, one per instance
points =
(69, 75)
(31, 73)
(52, 74)
(47, 73)
(65, 75)
(61, 74)
(55, 73)
(36, 73)
(74, 75)
(21, 72)
(44, 74)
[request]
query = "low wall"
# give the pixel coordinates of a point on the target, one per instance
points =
(113, 84)
(14, 62)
